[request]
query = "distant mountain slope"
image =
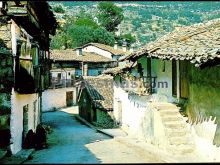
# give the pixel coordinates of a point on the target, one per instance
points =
(150, 20)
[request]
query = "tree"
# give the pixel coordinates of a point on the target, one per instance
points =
(109, 16)
(101, 35)
(127, 37)
(79, 35)
(58, 9)
(58, 41)
(86, 22)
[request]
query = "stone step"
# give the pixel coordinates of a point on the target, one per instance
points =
(181, 149)
(174, 124)
(169, 112)
(180, 132)
(165, 106)
(180, 140)
(166, 118)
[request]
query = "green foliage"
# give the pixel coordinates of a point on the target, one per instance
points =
(101, 35)
(86, 22)
(58, 41)
(127, 37)
(79, 35)
(58, 9)
(109, 16)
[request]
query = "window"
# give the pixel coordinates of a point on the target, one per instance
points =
(59, 75)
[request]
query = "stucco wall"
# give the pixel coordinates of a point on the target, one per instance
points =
(18, 101)
(162, 70)
(102, 52)
(204, 97)
(137, 118)
(56, 98)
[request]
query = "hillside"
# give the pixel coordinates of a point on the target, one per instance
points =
(150, 20)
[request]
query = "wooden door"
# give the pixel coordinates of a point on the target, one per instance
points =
(184, 85)
(69, 98)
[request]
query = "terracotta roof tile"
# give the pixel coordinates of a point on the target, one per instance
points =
(100, 89)
(197, 43)
(71, 55)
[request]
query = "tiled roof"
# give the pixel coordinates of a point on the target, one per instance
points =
(71, 55)
(100, 90)
(117, 70)
(197, 43)
(107, 48)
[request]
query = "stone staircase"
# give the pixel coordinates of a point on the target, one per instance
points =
(179, 138)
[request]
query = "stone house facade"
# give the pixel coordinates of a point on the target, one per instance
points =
(24, 68)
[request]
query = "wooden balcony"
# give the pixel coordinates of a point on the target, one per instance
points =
(136, 86)
(56, 83)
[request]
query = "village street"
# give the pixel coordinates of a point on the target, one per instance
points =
(74, 142)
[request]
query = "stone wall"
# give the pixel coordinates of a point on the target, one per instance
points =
(6, 59)
(5, 34)
(204, 98)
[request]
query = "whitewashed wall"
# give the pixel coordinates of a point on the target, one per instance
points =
(56, 98)
(18, 101)
(97, 50)
(163, 93)
(136, 116)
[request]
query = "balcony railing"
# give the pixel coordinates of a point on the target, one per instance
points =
(62, 83)
(136, 86)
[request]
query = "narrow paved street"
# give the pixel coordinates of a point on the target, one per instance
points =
(74, 142)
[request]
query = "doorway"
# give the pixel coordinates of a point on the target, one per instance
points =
(184, 85)
(25, 121)
(69, 98)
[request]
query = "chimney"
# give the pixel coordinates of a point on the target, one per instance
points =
(124, 46)
(116, 45)
(79, 51)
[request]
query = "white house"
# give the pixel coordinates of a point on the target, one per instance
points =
(21, 91)
(178, 109)
(113, 53)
